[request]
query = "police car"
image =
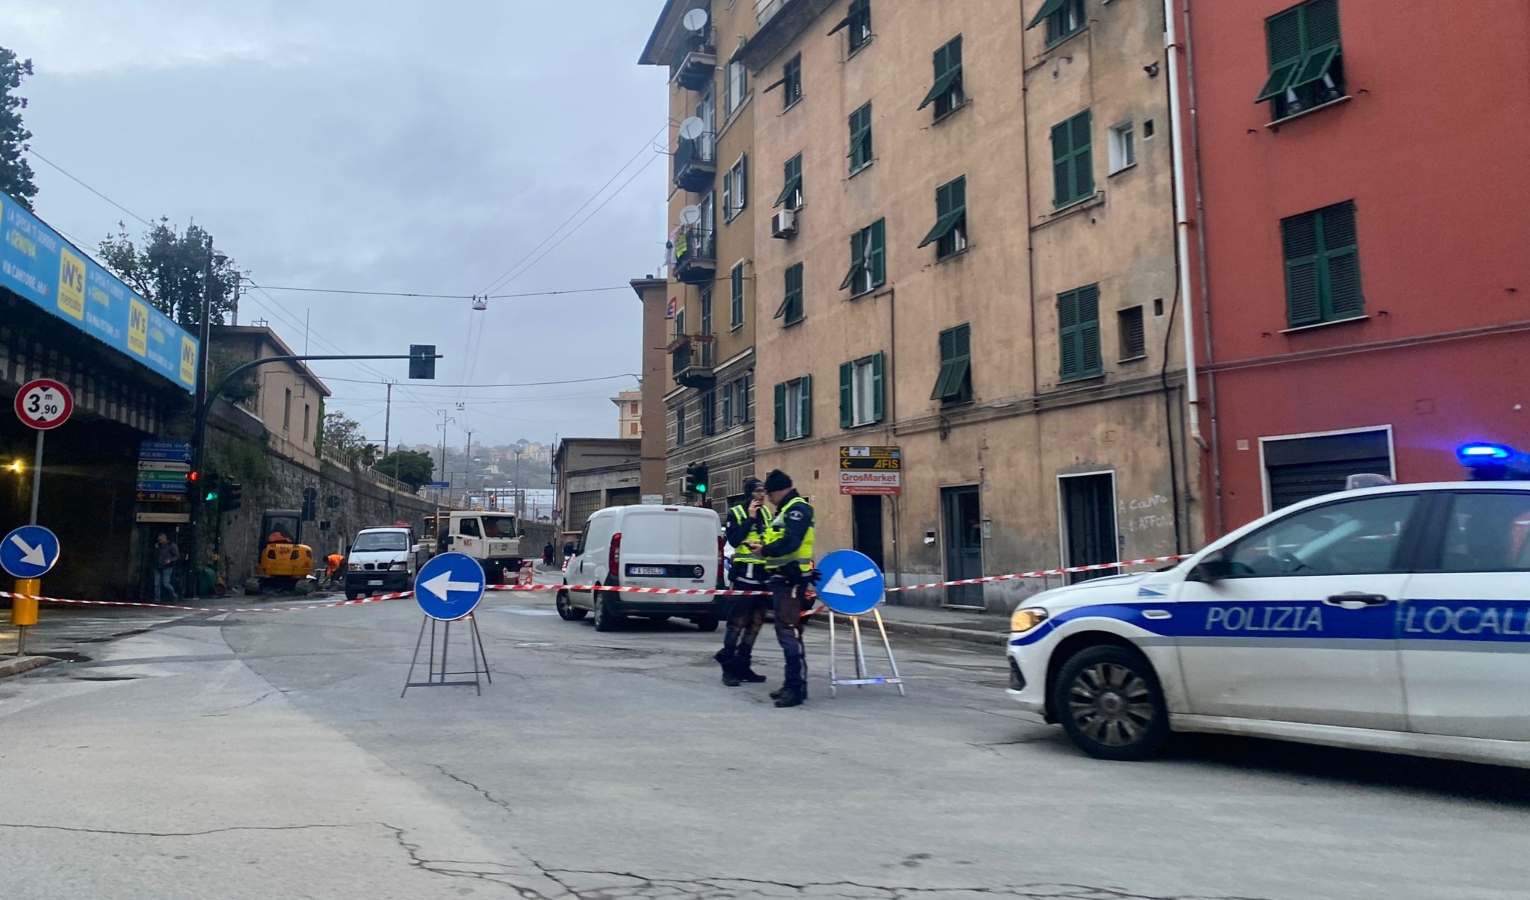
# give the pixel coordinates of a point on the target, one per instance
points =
(1392, 618)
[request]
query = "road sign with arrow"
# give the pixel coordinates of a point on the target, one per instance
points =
(853, 585)
(449, 586)
(29, 552)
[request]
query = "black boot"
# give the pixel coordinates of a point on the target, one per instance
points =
(741, 668)
(729, 661)
(790, 697)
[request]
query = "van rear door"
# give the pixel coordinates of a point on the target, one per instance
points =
(670, 547)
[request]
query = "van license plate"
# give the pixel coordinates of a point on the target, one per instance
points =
(652, 571)
(374, 582)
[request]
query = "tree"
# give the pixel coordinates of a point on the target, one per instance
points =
(369, 454)
(170, 270)
(15, 171)
(341, 435)
(413, 467)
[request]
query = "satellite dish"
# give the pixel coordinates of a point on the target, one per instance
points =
(691, 215)
(695, 20)
(692, 128)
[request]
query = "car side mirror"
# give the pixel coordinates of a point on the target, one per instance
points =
(1211, 570)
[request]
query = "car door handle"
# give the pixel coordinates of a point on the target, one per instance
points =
(1357, 599)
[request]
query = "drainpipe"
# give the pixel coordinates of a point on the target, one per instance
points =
(1182, 224)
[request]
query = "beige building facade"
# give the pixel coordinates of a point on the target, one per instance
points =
(978, 269)
(713, 208)
(629, 414)
(290, 399)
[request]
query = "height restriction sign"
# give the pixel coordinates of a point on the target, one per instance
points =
(44, 404)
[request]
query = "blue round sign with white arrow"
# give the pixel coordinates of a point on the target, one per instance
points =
(851, 583)
(449, 586)
(29, 552)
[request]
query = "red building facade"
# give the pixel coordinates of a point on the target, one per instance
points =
(1361, 202)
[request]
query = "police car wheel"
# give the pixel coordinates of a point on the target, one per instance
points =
(1110, 704)
(567, 611)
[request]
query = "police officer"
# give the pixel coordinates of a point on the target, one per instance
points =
(788, 553)
(746, 614)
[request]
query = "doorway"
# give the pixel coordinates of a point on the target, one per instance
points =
(866, 522)
(1089, 523)
(962, 516)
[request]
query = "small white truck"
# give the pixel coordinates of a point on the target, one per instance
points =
(494, 539)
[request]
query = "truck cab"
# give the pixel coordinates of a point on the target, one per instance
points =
(494, 539)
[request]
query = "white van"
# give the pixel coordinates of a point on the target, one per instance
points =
(646, 546)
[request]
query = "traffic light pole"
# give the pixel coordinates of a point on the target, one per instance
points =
(198, 437)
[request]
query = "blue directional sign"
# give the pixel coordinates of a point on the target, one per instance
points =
(449, 586)
(437, 484)
(851, 584)
(29, 552)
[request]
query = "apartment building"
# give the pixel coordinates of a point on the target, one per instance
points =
(709, 404)
(1364, 262)
(629, 414)
(965, 239)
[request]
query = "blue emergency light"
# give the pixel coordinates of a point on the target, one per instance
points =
(1493, 462)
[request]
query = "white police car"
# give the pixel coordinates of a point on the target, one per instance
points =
(1393, 618)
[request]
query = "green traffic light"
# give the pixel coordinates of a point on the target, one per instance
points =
(211, 496)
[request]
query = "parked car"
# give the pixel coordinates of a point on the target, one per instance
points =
(381, 560)
(645, 546)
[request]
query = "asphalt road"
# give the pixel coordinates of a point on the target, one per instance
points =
(270, 756)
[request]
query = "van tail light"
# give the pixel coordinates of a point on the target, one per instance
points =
(614, 560)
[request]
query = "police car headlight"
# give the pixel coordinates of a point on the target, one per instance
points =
(1026, 619)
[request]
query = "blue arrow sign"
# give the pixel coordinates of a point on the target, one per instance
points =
(851, 583)
(29, 552)
(449, 586)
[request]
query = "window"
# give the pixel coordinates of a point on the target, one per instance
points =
(791, 82)
(954, 383)
(706, 325)
(1306, 59)
(734, 88)
(1300, 468)
(791, 190)
(680, 425)
(1353, 537)
(736, 188)
(1322, 266)
(307, 419)
(868, 259)
(794, 409)
(727, 406)
(1133, 339)
(680, 322)
(1063, 17)
(1487, 532)
(287, 411)
(860, 392)
(946, 93)
(791, 304)
(735, 402)
(469, 528)
(857, 24)
(1078, 332)
(950, 232)
(736, 306)
(708, 413)
(860, 139)
(1123, 150)
(1072, 161)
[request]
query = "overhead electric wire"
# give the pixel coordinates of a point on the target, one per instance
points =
(509, 385)
(87, 187)
(411, 294)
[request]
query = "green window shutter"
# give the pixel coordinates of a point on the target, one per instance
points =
(1283, 35)
(878, 401)
(950, 207)
(1062, 163)
(1089, 329)
(1320, 24)
(846, 395)
(1067, 334)
(1083, 158)
(1315, 66)
(857, 257)
(961, 363)
(948, 68)
(879, 252)
(780, 412)
(1047, 8)
(1342, 261)
(947, 362)
(807, 405)
(792, 181)
(1299, 237)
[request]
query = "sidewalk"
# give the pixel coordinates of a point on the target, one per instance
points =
(938, 622)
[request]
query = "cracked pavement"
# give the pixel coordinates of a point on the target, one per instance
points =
(270, 756)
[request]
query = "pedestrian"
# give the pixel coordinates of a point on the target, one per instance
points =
(547, 554)
(788, 553)
(168, 554)
(746, 614)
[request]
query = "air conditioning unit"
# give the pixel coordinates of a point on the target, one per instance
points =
(783, 224)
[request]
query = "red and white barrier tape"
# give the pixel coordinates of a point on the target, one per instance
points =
(709, 592)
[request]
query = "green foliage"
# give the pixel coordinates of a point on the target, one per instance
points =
(410, 467)
(171, 270)
(15, 171)
(341, 435)
(240, 459)
(224, 361)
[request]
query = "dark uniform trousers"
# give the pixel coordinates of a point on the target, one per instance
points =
(788, 594)
(746, 615)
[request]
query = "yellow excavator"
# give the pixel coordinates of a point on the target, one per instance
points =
(284, 562)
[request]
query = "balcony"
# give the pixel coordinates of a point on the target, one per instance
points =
(696, 255)
(695, 61)
(696, 162)
(691, 361)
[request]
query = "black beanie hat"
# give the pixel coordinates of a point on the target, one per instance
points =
(777, 480)
(751, 483)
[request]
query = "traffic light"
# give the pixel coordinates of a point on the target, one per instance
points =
(210, 487)
(422, 361)
(231, 496)
(696, 479)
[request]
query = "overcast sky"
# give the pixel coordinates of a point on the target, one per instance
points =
(389, 146)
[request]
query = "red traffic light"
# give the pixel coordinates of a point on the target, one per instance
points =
(191, 476)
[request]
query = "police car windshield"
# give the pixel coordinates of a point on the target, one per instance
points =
(372, 541)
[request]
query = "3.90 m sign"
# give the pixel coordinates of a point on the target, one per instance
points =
(44, 404)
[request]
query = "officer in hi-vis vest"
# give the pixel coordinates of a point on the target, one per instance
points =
(788, 553)
(746, 615)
